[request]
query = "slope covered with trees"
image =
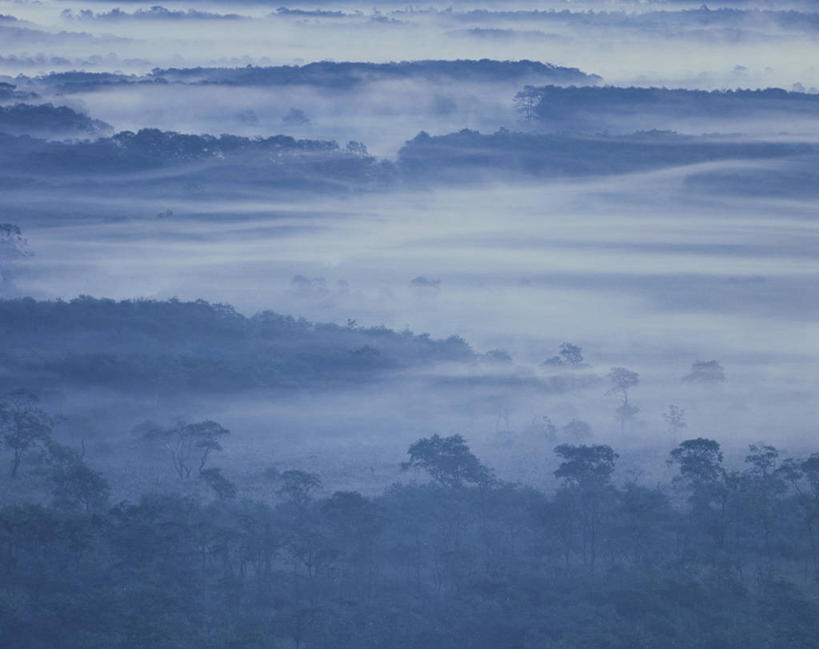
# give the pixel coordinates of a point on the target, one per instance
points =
(144, 346)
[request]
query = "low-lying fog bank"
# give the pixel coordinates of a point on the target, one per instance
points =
(641, 271)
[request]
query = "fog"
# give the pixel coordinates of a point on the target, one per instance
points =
(679, 45)
(627, 44)
(681, 266)
(635, 269)
(488, 325)
(383, 116)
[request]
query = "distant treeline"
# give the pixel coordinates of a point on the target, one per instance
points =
(670, 22)
(146, 346)
(47, 120)
(568, 108)
(658, 20)
(203, 163)
(156, 12)
(326, 74)
(721, 559)
(148, 148)
(504, 153)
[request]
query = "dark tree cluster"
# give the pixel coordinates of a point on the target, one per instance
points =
(156, 12)
(47, 120)
(719, 559)
(149, 148)
(204, 163)
(593, 107)
(165, 347)
(26, 433)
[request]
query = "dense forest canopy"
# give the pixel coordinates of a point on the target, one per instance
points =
(718, 558)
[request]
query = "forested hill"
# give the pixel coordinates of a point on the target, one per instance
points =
(202, 163)
(327, 74)
(47, 120)
(588, 108)
(144, 345)
(456, 157)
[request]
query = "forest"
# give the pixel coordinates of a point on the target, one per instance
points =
(483, 324)
(450, 556)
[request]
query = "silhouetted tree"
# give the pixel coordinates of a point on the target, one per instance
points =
(296, 486)
(24, 425)
(569, 356)
(705, 372)
(189, 444)
(586, 466)
(448, 460)
(622, 380)
(699, 462)
(586, 475)
(764, 486)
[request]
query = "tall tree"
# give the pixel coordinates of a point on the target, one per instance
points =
(587, 492)
(763, 487)
(622, 381)
(448, 460)
(24, 425)
(699, 462)
(189, 445)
